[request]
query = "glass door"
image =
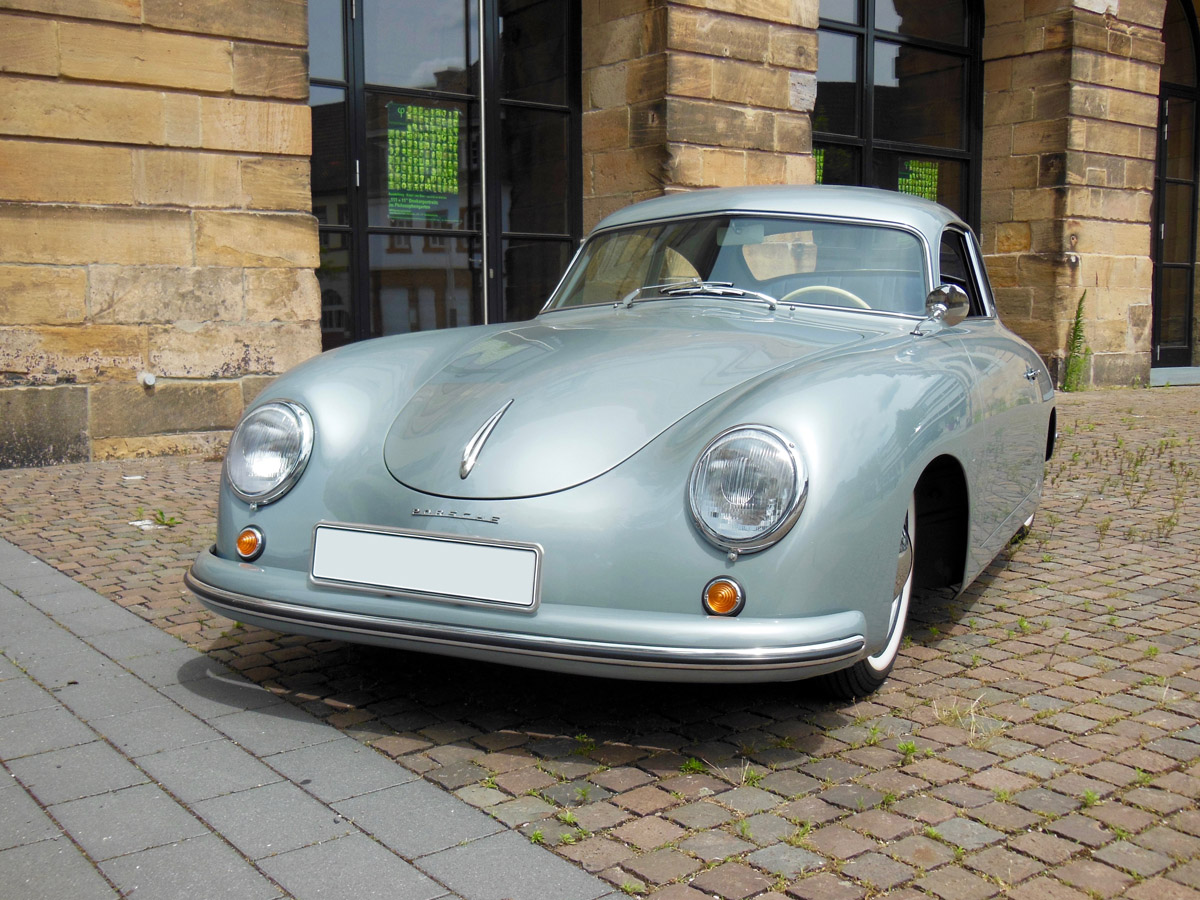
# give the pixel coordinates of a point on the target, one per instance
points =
(446, 165)
(1175, 194)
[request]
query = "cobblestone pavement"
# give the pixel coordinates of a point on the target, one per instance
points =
(1040, 736)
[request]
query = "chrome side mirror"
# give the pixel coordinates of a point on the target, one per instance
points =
(948, 304)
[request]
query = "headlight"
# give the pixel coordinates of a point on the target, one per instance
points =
(268, 451)
(747, 488)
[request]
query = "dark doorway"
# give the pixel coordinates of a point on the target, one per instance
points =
(1175, 196)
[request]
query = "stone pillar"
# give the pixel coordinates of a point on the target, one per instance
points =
(684, 95)
(154, 218)
(1070, 117)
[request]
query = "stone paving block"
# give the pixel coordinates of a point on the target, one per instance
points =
(839, 842)
(19, 695)
(97, 620)
(507, 867)
(339, 769)
(274, 729)
(274, 818)
(76, 772)
(211, 695)
(921, 852)
(24, 734)
(522, 810)
(968, 834)
(53, 868)
(165, 667)
(878, 871)
(1133, 859)
(203, 866)
(952, 883)
(1094, 878)
(432, 821)
(708, 845)
(1004, 865)
(350, 866)
(93, 698)
(731, 881)
(126, 821)
(699, 815)
(206, 770)
(22, 821)
(597, 853)
(152, 730)
(825, 886)
(661, 866)
(132, 642)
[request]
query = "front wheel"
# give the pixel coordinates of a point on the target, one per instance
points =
(866, 675)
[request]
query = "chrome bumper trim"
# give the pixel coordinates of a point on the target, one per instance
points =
(233, 604)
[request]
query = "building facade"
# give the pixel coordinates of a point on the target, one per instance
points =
(195, 196)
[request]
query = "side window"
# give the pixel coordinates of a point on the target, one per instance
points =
(956, 268)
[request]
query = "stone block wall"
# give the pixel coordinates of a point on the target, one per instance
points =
(695, 93)
(1070, 118)
(154, 218)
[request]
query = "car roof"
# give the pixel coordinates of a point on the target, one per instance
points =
(834, 201)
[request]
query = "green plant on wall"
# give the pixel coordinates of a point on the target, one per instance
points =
(1078, 353)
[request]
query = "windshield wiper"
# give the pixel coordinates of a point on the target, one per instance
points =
(718, 289)
(627, 300)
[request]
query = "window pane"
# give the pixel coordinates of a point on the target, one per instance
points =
(533, 50)
(937, 20)
(1177, 214)
(330, 166)
(1172, 312)
(837, 165)
(1180, 64)
(840, 11)
(1181, 130)
(326, 50)
(417, 170)
(837, 84)
(919, 96)
(940, 180)
(531, 270)
(420, 282)
(333, 275)
(416, 44)
(534, 171)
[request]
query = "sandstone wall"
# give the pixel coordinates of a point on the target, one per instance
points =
(1070, 119)
(154, 218)
(680, 95)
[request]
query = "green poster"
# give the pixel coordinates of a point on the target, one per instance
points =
(422, 162)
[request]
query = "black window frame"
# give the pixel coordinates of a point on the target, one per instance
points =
(485, 228)
(865, 143)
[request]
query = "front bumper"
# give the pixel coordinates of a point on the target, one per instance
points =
(728, 661)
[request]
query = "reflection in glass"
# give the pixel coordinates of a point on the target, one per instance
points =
(534, 171)
(416, 171)
(423, 282)
(1172, 312)
(940, 180)
(416, 44)
(936, 20)
(333, 276)
(840, 11)
(326, 48)
(1178, 207)
(1181, 132)
(919, 96)
(531, 271)
(836, 165)
(330, 168)
(1180, 64)
(533, 50)
(836, 109)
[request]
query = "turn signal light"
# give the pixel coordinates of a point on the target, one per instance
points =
(723, 597)
(250, 542)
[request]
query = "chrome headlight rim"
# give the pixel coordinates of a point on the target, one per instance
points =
(785, 521)
(307, 431)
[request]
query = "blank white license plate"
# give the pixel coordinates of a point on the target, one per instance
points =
(436, 566)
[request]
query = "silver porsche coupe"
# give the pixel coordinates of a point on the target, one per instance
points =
(745, 426)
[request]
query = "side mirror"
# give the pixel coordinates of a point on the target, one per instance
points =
(948, 304)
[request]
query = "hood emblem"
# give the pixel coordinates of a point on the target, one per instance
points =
(474, 445)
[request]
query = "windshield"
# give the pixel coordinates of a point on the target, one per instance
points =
(792, 261)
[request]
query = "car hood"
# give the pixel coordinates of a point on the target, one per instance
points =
(579, 394)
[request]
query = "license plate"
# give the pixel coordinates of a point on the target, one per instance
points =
(438, 566)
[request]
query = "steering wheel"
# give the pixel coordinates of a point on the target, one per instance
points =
(842, 293)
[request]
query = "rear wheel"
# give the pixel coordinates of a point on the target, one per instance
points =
(866, 675)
